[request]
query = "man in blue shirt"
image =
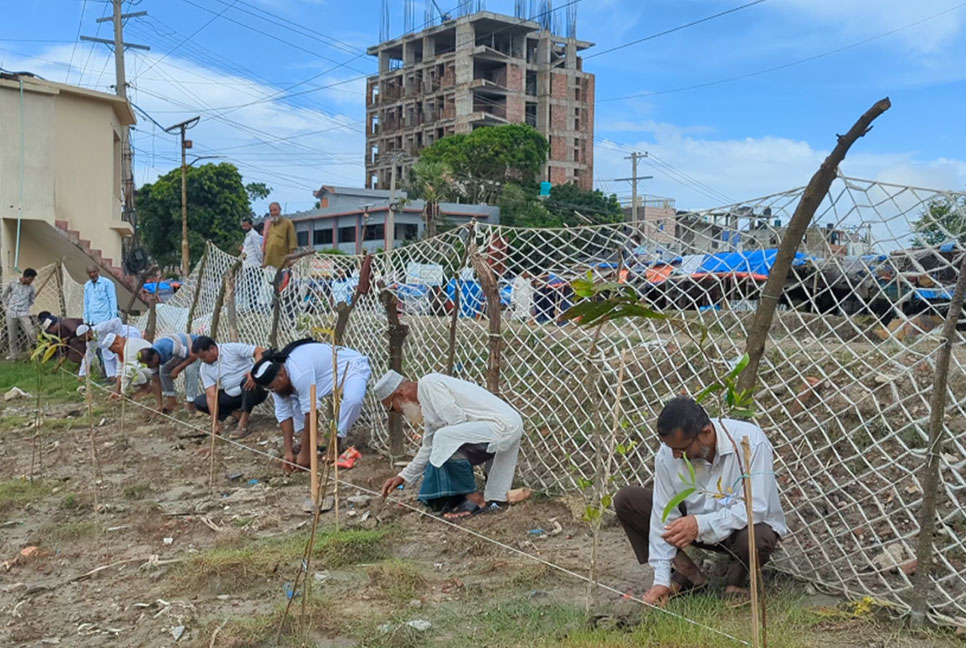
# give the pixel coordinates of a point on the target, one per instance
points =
(100, 305)
(100, 298)
(166, 358)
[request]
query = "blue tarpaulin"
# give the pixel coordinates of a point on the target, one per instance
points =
(753, 261)
(932, 294)
(471, 297)
(152, 286)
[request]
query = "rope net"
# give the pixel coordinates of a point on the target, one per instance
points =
(844, 384)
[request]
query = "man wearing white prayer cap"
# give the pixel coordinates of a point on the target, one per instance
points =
(97, 332)
(290, 373)
(463, 425)
(132, 374)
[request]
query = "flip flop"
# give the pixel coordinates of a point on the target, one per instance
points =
(241, 433)
(472, 510)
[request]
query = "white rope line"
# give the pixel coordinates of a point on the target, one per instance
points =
(423, 513)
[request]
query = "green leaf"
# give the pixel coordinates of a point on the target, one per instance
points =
(50, 354)
(583, 287)
(587, 311)
(584, 483)
(684, 480)
(675, 502)
(606, 500)
(739, 366)
(707, 391)
(687, 462)
(743, 413)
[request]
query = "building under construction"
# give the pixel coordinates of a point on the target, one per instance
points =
(480, 69)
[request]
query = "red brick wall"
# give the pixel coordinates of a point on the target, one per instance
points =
(558, 176)
(558, 148)
(514, 77)
(558, 86)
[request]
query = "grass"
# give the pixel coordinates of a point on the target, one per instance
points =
(399, 580)
(15, 493)
(57, 388)
(238, 567)
(520, 620)
(136, 491)
(260, 630)
(68, 532)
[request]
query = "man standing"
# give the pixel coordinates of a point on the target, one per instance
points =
(290, 373)
(166, 358)
(251, 250)
(18, 298)
(464, 425)
(100, 298)
(708, 519)
(279, 240)
(521, 297)
(229, 366)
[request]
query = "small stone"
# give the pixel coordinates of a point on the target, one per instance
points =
(890, 559)
(419, 625)
(416, 604)
(360, 501)
(385, 628)
(15, 393)
(809, 589)
(168, 541)
(321, 576)
(177, 632)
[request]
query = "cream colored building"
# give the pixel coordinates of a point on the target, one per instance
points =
(60, 179)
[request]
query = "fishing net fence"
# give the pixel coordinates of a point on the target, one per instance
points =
(844, 384)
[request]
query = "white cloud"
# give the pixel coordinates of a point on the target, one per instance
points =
(857, 18)
(293, 146)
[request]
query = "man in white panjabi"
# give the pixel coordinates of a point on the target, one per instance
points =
(463, 425)
(521, 297)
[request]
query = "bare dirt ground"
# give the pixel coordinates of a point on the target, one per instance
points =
(143, 553)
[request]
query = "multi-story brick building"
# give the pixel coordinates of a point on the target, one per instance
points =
(483, 69)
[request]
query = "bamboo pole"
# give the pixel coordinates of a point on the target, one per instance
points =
(451, 355)
(930, 471)
(214, 428)
(314, 445)
(752, 548)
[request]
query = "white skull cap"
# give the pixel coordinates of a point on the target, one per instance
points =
(387, 385)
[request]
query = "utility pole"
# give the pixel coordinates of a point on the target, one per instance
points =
(185, 145)
(120, 88)
(634, 157)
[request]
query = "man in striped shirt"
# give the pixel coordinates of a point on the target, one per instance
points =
(18, 298)
(166, 358)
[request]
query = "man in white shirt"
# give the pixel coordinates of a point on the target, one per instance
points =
(463, 425)
(290, 373)
(251, 274)
(521, 297)
(226, 378)
(132, 374)
(96, 333)
(714, 517)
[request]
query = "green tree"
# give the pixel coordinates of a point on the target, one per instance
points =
(258, 191)
(217, 201)
(486, 160)
(433, 182)
(943, 219)
(565, 201)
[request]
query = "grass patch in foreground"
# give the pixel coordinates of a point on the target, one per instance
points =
(67, 532)
(15, 493)
(523, 621)
(400, 580)
(239, 567)
(260, 630)
(57, 388)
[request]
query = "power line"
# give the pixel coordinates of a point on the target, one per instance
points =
(787, 65)
(674, 29)
(80, 25)
(192, 35)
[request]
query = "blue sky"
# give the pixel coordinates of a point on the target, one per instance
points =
(261, 75)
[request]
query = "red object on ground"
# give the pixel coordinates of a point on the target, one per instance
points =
(348, 458)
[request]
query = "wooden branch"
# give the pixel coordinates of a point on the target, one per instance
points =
(491, 289)
(814, 193)
(397, 337)
(930, 479)
(152, 327)
(62, 301)
(142, 279)
(232, 305)
(220, 300)
(451, 355)
(276, 292)
(194, 298)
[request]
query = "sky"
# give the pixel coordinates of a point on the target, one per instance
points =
(742, 105)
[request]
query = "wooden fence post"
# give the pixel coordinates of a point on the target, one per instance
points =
(277, 293)
(491, 289)
(397, 336)
(194, 297)
(220, 300)
(232, 304)
(930, 471)
(812, 197)
(451, 355)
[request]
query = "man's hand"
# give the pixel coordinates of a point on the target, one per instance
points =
(657, 595)
(681, 532)
(115, 396)
(289, 461)
(390, 485)
(249, 382)
(175, 372)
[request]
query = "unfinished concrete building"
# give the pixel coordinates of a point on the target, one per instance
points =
(483, 69)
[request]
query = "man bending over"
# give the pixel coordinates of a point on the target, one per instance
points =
(226, 379)
(464, 425)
